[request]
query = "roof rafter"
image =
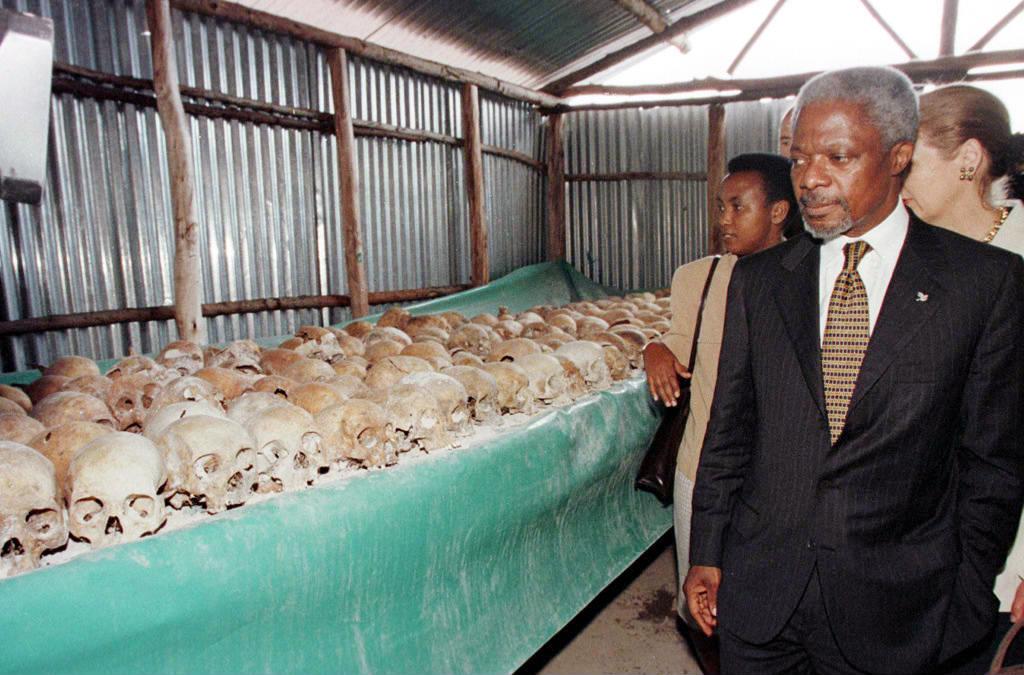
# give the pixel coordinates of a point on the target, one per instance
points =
(947, 38)
(652, 17)
(888, 29)
(753, 38)
(681, 26)
(1001, 24)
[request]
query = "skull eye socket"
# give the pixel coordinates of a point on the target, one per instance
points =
(367, 438)
(206, 465)
(245, 457)
(85, 510)
(311, 442)
(126, 403)
(141, 505)
(43, 521)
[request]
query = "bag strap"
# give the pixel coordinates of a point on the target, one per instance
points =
(997, 662)
(700, 313)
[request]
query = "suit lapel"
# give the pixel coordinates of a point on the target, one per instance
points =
(797, 300)
(913, 294)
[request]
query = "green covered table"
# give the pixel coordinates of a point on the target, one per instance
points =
(461, 561)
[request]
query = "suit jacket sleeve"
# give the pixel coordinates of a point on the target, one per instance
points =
(730, 436)
(991, 448)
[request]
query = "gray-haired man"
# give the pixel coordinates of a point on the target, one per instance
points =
(861, 476)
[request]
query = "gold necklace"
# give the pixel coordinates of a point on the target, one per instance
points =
(1004, 213)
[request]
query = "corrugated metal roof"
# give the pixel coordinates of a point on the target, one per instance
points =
(526, 42)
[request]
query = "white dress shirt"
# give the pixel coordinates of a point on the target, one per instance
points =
(876, 267)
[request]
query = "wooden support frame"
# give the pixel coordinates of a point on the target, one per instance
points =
(79, 320)
(1000, 25)
(947, 39)
(680, 27)
(188, 280)
(944, 68)
(753, 38)
(352, 231)
(888, 29)
(556, 189)
(480, 266)
(635, 175)
(716, 170)
(650, 16)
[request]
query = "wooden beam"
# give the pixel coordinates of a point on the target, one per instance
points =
(352, 231)
(636, 175)
(680, 27)
(943, 68)
(230, 11)
(753, 38)
(716, 170)
(188, 280)
(651, 16)
(947, 38)
(1000, 25)
(480, 272)
(556, 189)
(166, 312)
(888, 29)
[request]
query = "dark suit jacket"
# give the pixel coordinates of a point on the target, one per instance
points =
(910, 516)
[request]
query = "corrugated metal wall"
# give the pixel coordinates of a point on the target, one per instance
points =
(267, 195)
(634, 233)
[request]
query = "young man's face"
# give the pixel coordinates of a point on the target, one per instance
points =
(745, 218)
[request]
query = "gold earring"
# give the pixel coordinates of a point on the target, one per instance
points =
(967, 173)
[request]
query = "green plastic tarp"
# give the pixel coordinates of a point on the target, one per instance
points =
(461, 561)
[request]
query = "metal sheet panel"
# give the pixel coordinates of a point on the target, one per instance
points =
(753, 126)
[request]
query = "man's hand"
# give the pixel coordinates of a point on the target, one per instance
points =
(663, 373)
(1017, 608)
(701, 589)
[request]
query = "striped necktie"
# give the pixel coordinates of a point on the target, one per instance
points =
(847, 330)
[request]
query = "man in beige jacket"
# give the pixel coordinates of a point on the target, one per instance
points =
(755, 206)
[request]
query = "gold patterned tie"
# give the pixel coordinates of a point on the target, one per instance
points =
(847, 330)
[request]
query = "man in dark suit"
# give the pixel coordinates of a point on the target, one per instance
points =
(861, 477)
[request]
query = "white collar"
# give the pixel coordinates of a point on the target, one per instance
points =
(886, 238)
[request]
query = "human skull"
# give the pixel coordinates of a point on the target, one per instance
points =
(590, 326)
(252, 404)
(131, 365)
(481, 390)
(31, 509)
(513, 349)
(450, 395)
(634, 342)
(189, 388)
(240, 355)
(508, 329)
(563, 322)
(387, 372)
(278, 385)
(474, 338)
(358, 329)
(433, 353)
(131, 398)
(315, 396)
(72, 367)
(182, 356)
(230, 383)
(159, 420)
(386, 333)
(589, 358)
(19, 427)
(349, 386)
(547, 379)
(432, 322)
(618, 364)
(289, 448)
(9, 407)
(42, 387)
(358, 431)
(309, 370)
(381, 349)
(94, 385)
(466, 359)
(274, 361)
(350, 346)
(212, 459)
(514, 393)
(429, 334)
(396, 317)
(416, 415)
(349, 366)
(70, 406)
(576, 386)
(552, 341)
(113, 490)
(60, 444)
(16, 395)
(318, 343)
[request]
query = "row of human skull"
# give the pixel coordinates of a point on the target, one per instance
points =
(214, 426)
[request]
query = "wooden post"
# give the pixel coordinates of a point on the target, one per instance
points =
(188, 280)
(556, 189)
(352, 231)
(716, 170)
(481, 267)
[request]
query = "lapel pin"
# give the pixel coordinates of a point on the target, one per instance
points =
(922, 297)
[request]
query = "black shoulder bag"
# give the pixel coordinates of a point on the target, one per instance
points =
(658, 469)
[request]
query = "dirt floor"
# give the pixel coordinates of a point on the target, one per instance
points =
(630, 628)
